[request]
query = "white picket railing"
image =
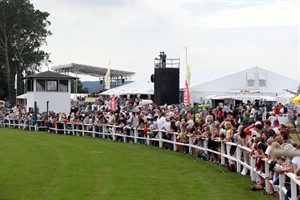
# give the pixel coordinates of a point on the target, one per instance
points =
(113, 132)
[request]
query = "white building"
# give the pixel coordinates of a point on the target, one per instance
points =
(226, 86)
(49, 89)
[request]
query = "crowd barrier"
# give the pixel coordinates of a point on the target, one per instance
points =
(242, 157)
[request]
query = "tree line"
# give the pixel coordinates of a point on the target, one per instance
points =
(23, 32)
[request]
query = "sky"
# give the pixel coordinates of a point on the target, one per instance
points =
(214, 34)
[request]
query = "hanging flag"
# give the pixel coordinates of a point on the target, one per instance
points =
(186, 98)
(188, 74)
(16, 81)
(188, 77)
(113, 103)
(107, 78)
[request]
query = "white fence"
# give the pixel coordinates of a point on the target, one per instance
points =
(168, 140)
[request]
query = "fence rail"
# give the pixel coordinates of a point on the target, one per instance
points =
(169, 140)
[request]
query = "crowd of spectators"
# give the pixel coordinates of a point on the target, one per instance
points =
(251, 125)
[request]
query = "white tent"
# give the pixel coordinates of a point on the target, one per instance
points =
(143, 86)
(249, 84)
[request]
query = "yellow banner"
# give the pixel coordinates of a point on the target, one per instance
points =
(90, 99)
(107, 78)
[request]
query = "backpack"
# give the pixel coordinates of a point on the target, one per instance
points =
(205, 156)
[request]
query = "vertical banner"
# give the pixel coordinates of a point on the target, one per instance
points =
(186, 99)
(188, 74)
(107, 78)
(188, 77)
(113, 103)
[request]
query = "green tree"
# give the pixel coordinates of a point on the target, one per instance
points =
(80, 88)
(23, 30)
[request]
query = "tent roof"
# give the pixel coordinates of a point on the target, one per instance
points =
(138, 87)
(91, 70)
(208, 75)
(197, 78)
(145, 86)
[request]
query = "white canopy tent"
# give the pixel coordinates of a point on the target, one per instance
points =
(143, 86)
(221, 84)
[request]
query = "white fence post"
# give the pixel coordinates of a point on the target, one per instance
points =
(222, 153)
(148, 139)
(252, 170)
(135, 133)
(294, 187)
(94, 131)
(238, 157)
(190, 143)
(113, 133)
(281, 186)
(160, 139)
(55, 127)
(205, 146)
(174, 141)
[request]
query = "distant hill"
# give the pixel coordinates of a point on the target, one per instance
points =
(95, 86)
(92, 86)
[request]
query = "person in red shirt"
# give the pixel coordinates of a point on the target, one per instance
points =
(220, 115)
(277, 110)
(295, 113)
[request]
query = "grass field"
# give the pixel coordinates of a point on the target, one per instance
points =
(49, 166)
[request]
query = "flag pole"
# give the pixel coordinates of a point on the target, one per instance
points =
(186, 55)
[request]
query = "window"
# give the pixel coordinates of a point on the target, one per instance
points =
(63, 86)
(250, 83)
(250, 80)
(52, 85)
(29, 85)
(40, 85)
(262, 79)
(262, 83)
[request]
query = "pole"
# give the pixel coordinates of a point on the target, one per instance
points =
(35, 113)
(186, 55)
(47, 105)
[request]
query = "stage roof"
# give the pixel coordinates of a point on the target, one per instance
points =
(91, 70)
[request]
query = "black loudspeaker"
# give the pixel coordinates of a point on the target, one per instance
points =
(166, 86)
(152, 78)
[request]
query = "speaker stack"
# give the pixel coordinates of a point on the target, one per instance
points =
(166, 80)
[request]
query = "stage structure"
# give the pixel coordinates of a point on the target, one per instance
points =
(166, 80)
(117, 77)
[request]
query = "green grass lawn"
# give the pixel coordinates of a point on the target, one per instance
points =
(49, 166)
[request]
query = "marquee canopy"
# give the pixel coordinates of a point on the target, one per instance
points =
(143, 86)
(91, 71)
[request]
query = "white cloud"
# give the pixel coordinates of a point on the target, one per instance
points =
(266, 15)
(131, 34)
